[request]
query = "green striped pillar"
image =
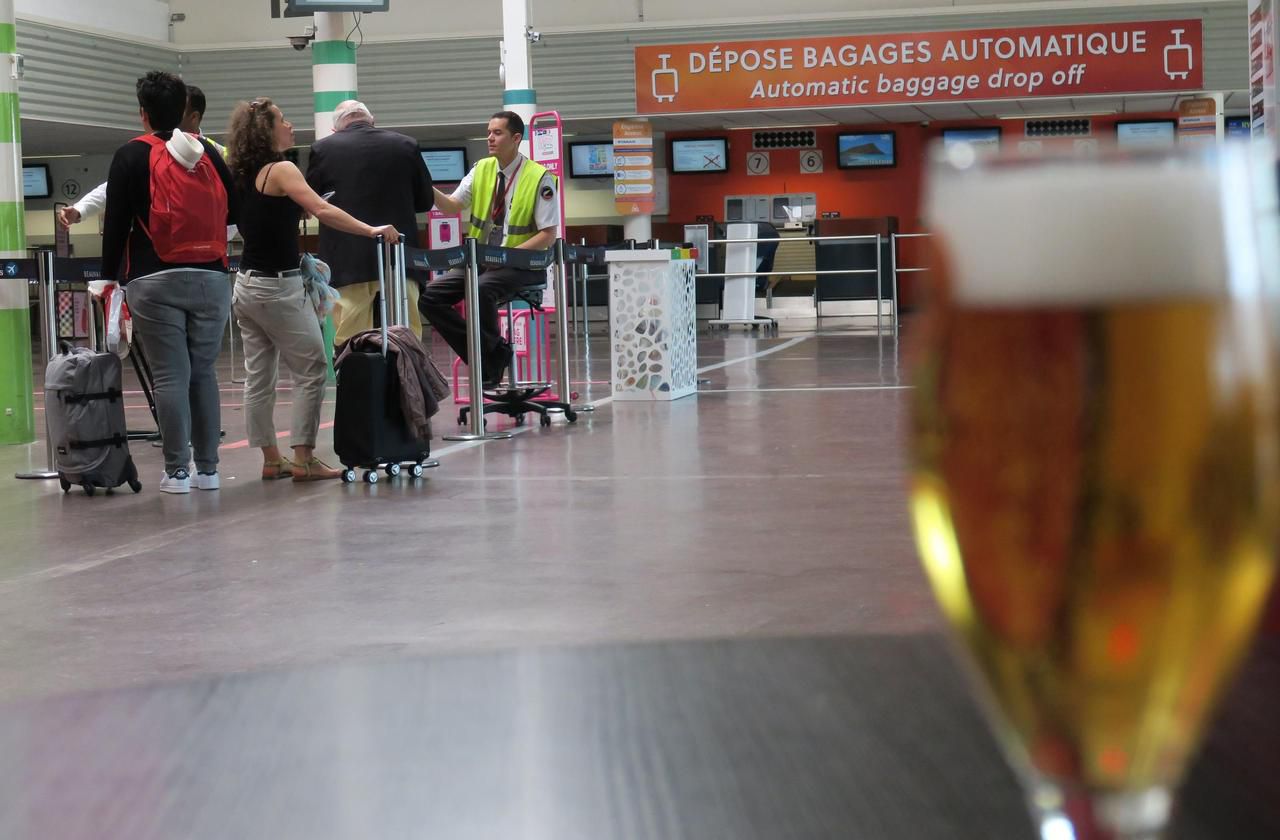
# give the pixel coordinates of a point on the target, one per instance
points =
(17, 408)
(517, 69)
(333, 69)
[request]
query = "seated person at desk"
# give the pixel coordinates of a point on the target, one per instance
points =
(511, 201)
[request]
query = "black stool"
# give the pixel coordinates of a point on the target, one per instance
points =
(518, 399)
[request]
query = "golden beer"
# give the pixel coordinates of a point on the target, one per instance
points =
(1094, 476)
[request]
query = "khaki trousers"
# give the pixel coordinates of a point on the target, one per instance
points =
(354, 311)
(277, 321)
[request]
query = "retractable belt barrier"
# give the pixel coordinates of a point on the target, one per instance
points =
(440, 259)
(478, 257)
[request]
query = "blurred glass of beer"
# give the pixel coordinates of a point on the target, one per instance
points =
(1094, 441)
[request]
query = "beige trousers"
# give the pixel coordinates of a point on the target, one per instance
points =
(354, 311)
(277, 321)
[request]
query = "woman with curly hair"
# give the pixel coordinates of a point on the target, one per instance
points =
(271, 306)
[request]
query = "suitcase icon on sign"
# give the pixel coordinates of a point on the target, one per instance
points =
(1178, 59)
(665, 81)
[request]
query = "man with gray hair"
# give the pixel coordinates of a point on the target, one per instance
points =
(378, 173)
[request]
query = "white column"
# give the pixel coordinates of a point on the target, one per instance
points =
(333, 69)
(518, 94)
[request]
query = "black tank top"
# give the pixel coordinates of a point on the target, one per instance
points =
(269, 227)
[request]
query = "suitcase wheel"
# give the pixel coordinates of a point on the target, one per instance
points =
(88, 489)
(370, 476)
(416, 471)
(393, 470)
(135, 485)
(348, 476)
(66, 485)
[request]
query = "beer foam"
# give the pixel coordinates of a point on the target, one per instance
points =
(1071, 233)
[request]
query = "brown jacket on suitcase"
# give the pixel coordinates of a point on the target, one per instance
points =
(422, 385)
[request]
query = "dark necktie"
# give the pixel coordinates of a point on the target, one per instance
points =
(500, 201)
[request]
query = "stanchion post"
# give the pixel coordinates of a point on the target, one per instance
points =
(879, 289)
(564, 385)
(48, 347)
(475, 374)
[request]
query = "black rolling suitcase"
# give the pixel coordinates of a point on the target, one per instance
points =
(369, 429)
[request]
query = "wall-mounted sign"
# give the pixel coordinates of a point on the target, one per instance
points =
(633, 185)
(811, 162)
(978, 64)
(1262, 67)
(758, 163)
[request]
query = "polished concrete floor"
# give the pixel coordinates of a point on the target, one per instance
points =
(771, 504)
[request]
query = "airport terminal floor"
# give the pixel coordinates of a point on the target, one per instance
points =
(771, 504)
(700, 619)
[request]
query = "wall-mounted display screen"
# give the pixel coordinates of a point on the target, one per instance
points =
(983, 139)
(448, 166)
(863, 150)
(338, 5)
(591, 160)
(706, 154)
(35, 181)
(1239, 128)
(1157, 133)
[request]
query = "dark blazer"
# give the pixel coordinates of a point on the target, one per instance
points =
(379, 177)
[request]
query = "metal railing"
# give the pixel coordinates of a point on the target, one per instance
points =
(47, 298)
(868, 239)
(898, 269)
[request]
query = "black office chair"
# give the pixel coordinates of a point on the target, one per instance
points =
(520, 398)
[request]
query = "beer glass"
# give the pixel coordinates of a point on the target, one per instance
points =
(1094, 458)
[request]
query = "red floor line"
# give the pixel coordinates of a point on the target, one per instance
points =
(244, 444)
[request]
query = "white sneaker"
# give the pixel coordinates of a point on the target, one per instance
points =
(207, 481)
(179, 482)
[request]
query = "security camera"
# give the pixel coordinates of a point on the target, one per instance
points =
(924, 123)
(532, 34)
(299, 42)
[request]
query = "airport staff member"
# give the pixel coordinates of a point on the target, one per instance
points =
(511, 201)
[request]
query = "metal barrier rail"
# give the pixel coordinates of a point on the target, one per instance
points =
(897, 269)
(48, 348)
(868, 239)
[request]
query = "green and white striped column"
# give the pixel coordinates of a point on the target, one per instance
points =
(17, 409)
(333, 80)
(333, 69)
(518, 94)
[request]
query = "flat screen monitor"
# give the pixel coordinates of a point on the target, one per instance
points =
(706, 154)
(448, 166)
(35, 180)
(1146, 133)
(591, 160)
(338, 5)
(1239, 128)
(986, 138)
(866, 150)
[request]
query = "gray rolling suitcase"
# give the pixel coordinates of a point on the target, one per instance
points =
(85, 410)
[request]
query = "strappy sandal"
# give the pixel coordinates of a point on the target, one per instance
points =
(315, 470)
(276, 470)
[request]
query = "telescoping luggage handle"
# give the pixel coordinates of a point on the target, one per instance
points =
(391, 258)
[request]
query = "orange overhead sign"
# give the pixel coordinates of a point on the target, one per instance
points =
(958, 66)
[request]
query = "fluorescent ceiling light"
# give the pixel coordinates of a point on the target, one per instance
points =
(781, 127)
(48, 157)
(1069, 115)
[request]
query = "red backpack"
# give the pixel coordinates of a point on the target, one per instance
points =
(188, 221)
